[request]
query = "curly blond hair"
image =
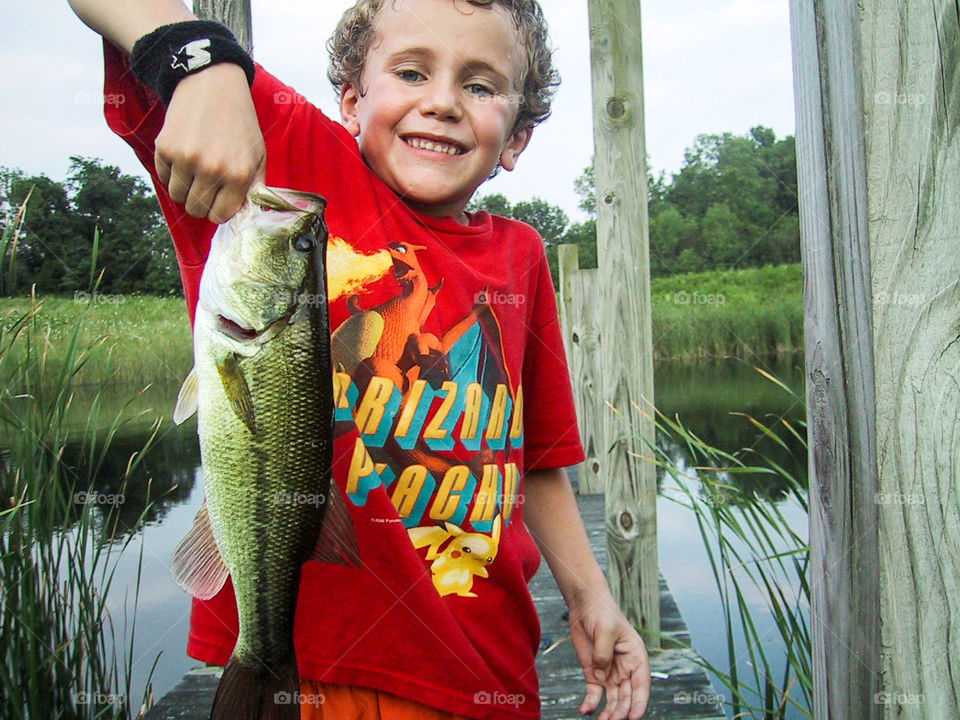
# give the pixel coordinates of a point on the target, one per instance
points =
(351, 40)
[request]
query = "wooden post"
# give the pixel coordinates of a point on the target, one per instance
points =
(580, 319)
(235, 14)
(626, 344)
(911, 90)
(831, 163)
(878, 93)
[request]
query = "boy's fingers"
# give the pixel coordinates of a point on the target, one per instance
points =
(613, 699)
(226, 205)
(626, 700)
(179, 186)
(163, 169)
(591, 700)
(641, 694)
(200, 198)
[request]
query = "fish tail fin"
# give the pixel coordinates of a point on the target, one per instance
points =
(252, 691)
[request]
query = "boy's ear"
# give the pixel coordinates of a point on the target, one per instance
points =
(348, 108)
(515, 145)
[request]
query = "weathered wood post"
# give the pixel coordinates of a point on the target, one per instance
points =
(624, 309)
(878, 107)
(235, 14)
(831, 165)
(911, 90)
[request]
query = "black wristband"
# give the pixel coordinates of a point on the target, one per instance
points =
(165, 56)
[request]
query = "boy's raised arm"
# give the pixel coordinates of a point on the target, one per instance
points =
(123, 22)
(210, 149)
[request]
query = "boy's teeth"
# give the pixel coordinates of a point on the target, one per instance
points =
(435, 146)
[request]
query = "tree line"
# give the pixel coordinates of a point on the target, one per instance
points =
(733, 204)
(55, 246)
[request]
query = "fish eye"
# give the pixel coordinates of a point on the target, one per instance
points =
(304, 243)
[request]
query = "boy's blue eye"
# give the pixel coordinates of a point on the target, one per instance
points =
(409, 75)
(478, 89)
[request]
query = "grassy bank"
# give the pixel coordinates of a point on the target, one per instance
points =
(742, 313)
(142, 339)
(131, 338)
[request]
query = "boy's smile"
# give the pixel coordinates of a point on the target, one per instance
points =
(437, 101)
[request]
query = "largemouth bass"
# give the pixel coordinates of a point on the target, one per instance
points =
(262, 387)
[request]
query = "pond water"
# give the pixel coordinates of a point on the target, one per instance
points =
(703, 396)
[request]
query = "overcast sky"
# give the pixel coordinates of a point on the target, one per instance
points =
(710, 66)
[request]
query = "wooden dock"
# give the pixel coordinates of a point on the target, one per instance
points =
(681, 689)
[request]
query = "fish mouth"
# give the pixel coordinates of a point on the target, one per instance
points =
(241, 334)
(237, 332)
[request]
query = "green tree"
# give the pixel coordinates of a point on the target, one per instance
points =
(55, 251)
(734, 202)
(50, 246)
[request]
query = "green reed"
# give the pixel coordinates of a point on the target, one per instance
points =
(735, 313)
(752, 549)
(65, 654)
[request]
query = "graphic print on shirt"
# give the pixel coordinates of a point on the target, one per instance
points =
(437, 416)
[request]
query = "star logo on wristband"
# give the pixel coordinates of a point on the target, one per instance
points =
(192, 56)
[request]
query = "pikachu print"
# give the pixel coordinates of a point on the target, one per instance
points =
(458, 556)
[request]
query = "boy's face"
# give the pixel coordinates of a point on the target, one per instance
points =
(439, 101)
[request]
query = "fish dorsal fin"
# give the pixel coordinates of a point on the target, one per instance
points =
(338, 541)
(196, 565)
(236, 389)
(188, 398)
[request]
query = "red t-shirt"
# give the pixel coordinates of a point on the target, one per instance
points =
(451, 384)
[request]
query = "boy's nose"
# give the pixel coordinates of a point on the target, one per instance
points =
(442, 101)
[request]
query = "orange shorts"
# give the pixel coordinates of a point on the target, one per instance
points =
(322, 701)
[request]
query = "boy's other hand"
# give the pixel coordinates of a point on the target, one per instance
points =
(613, 657)
(210, 149)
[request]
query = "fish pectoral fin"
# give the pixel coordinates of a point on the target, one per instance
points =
(196, 565)
(188, 398)
(236, 388)
(338, 541)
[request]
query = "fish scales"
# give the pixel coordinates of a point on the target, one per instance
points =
(249, 476)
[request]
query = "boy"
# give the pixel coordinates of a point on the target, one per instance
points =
(455, 415)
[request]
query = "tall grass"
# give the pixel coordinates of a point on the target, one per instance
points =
(752, 550)
(64, 654)
(741, 313)
(135, 339)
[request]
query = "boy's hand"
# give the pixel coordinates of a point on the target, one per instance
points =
(613, 657)
(210, 150)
